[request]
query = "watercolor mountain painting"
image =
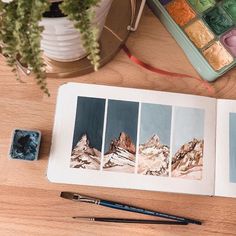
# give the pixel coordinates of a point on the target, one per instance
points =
(84, 156)
(153, 158)
(188, 160)
(88, 133)
(121, 155)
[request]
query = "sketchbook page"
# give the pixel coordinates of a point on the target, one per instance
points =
(130, 138)
(226, 148)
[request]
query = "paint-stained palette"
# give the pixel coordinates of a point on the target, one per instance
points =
(205, 29)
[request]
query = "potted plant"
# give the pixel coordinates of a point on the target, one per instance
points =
(65, 30)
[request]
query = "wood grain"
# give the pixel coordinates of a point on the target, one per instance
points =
(30, 204)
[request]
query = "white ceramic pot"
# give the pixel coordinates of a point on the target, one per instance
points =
(61, 41)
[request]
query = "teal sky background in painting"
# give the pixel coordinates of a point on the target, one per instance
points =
(155, 119)
(122, 116)
(232, 148)
(89, 120)
(188, 123)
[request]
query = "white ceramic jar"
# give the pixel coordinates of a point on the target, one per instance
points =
(61, 41)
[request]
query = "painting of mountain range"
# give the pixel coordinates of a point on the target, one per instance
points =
(187, 143)
(153, 158)
(121, 136)
(85, 157)
(121, 155)
(188, 160)
(88, 133)
(154, 139)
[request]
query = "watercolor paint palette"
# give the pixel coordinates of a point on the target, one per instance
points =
(206, 31)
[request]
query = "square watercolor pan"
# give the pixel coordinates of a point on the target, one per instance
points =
(25, 144)
(206, 31)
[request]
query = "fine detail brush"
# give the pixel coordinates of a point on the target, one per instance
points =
(130, 221)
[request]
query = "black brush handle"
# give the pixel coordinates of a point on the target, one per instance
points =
(136, 221)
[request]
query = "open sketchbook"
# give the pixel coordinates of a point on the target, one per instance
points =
(140, 139)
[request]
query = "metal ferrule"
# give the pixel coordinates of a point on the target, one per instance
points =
(82, 198)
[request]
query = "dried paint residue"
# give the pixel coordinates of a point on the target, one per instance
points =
(230, 7)
(218, 20)
(199, 33)
(217, 56)
(229, 40)
(180, 11)
(202, 5)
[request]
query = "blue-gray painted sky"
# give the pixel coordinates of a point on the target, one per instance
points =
(122, 116)
(232, 138)
(155, 119)
(188, 123)
(89, 120)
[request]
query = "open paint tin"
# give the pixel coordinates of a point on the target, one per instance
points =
(206, 31)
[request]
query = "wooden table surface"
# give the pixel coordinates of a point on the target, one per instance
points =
(30, 205)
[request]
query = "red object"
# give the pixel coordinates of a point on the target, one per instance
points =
(163, 72)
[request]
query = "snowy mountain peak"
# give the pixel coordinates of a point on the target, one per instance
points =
(124, 141)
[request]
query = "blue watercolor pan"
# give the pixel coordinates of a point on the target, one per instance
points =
(25, 144)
